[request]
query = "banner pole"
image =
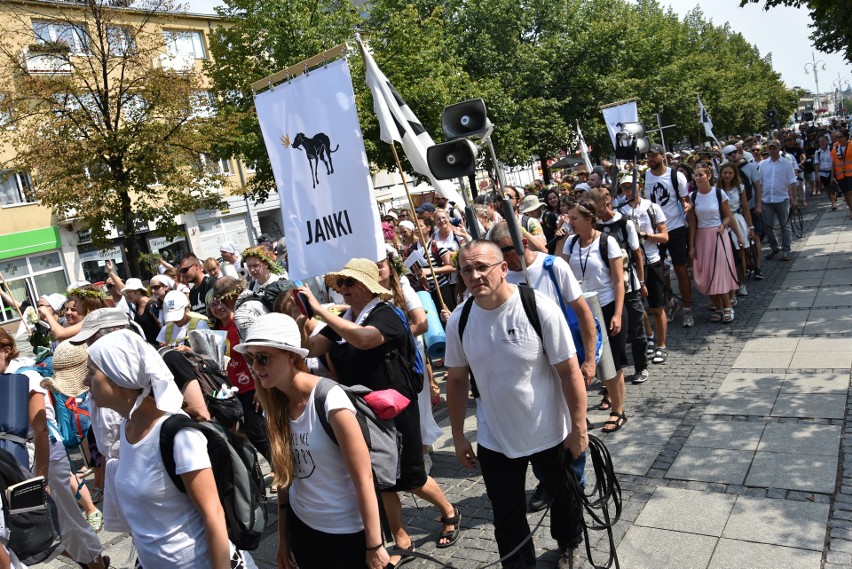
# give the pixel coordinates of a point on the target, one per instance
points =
(428, 254)
(15, 304)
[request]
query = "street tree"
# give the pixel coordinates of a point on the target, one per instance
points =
(112, 141)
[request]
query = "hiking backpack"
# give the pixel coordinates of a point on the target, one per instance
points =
(412, 364)
(746, 180)
(239, 481)
(383, 440)
(34, 534)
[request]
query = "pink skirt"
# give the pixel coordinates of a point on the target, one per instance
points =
(713, 269)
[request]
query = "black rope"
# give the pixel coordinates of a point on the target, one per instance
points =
(596, 499)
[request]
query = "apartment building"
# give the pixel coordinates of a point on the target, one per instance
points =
(41, 253)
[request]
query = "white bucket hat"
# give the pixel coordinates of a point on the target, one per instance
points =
(274, 330)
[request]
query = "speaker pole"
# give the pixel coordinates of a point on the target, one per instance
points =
(515, 231)
(428, 254)
(469, 213)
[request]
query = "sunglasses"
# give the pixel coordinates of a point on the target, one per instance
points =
(157, 286)
(507, 249)
(185, 270)
(348, 281)
(261, 359)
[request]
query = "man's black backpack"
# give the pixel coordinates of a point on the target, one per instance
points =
(747, 183)
(239, 480)
(267, 294)
(34, 534)
(527, 301)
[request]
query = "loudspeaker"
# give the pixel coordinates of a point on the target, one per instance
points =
(770, 115)
(642, 145)
(808, 117)
(466, 119)
(634, 129)
(773, 125)
(452, 159)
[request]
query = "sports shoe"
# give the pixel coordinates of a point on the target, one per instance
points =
(785, 256)
(671, 308)
(540, 499)
(742, 291)
(758, 275)
(96, 520)
(649, 351)
(641, 377)
(688, 320)
(772, 254)
(660, 356)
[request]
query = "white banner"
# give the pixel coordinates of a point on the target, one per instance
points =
(613, 116)
(311, 131)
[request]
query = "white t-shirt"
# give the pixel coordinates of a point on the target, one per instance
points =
(661, 192)
(322, 494)
(642, 214)
(521, 409)
(823, 161)
(167, 528)
(734, 198)
(588, 267)
(707, 208)
(179, 333)
(125, 306)
(257, 287)
(540, 279)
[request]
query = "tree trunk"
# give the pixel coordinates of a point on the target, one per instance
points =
(545, 170)
(130, 243)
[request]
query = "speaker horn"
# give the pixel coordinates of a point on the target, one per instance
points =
(466, 119)
(452, 159)
(634, 129)
(770, 114)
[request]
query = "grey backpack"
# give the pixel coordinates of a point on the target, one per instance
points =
(382, 439)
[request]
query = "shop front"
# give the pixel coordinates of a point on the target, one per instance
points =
(31, 263)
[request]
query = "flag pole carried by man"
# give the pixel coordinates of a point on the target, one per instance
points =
(704, 117)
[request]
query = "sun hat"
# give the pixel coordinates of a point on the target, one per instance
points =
(391, 214)
(274, 330)
(229, 247)
(55, 300)
(406, 224)
(365, 272)
(133, 284)
(99, 319)
(530, 203)
(69, 370)
(163, 280)
(582, 187)
(174, 305)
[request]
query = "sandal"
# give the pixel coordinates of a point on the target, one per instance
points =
(620, 419)
(401, 551)
(97, 494)
(717, 316)
(728, 316)
(605, 404)
(451, 536)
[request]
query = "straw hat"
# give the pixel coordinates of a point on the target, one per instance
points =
(274, 330)
(365, 272)
(69, 370)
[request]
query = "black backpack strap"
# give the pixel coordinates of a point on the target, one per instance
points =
(528, 302)
(465, 313)
(603, 244)
(675, 182)
(719, 199)
(320, 394)
(168, 432)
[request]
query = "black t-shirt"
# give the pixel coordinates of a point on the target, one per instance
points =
(149, 321)
(180, 367)
(368, 367)
(198, 295)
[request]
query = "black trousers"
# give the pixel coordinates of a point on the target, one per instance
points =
(314, 549)
(254, 425)
(505, 483)
(636, 329)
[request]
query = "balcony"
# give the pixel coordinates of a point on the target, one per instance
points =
(46, 63)
(177, 63)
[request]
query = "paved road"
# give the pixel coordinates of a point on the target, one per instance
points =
(733, 455)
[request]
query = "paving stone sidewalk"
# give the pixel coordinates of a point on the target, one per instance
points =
(734, 452)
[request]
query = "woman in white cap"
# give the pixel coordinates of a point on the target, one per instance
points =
(231, 259)
(369, 345)
(146, 312)
(169, 528)
(50, 460)
(329, 516)
(160, 286)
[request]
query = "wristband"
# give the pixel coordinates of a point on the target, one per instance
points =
(751, 226)
(642, 283)
(375, 548)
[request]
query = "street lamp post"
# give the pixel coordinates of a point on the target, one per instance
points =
(815, 67)
(840, 85)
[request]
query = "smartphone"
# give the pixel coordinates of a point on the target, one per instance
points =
(302, 303)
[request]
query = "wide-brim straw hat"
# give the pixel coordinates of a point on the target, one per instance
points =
(365, 272)
(69, 370)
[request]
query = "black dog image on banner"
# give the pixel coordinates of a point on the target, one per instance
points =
(316, 148)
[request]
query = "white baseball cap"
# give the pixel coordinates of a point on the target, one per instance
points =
(174, 305)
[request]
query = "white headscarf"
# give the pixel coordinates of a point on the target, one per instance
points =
(130, 362)
(55, 300)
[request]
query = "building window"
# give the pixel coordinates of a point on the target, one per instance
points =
(15, 188)
(202, 104)
(185, 43)
(31, 277)
(120, 41)
(74, 35)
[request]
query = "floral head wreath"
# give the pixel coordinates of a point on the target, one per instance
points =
(87, 293)
(267, 259)
(238, 290)
(395, 261)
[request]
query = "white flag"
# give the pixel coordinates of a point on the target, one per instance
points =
(704, 117)
(618, 114)
(313, 137)
(584, 150)
(398, 123)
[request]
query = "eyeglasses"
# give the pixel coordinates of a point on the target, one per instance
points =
(215, 303)
(262, 359)
(348, 281)
(507, 249)
(482, 268)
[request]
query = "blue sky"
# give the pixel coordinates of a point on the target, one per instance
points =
(782, 31)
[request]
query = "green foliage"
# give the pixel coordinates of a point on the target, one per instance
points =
(831, 22)
(540, 65)
(111, 140)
